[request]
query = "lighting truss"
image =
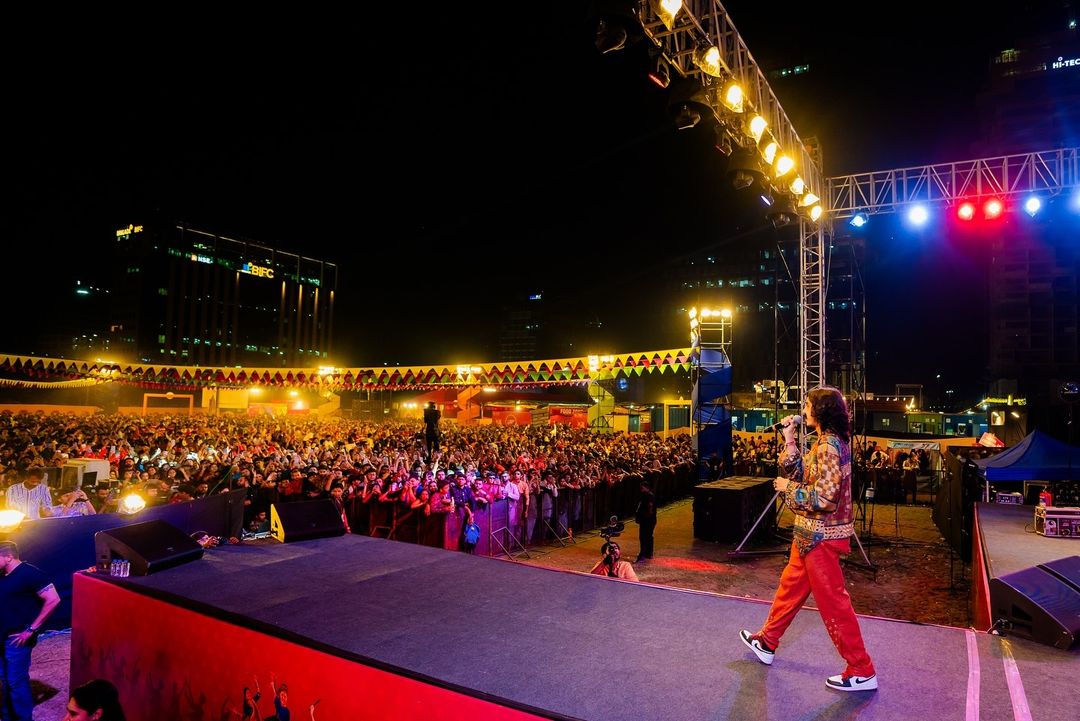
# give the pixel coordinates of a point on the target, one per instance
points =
(1049, 172)
(706, 22)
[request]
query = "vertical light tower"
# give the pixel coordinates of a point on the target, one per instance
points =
(710, 341)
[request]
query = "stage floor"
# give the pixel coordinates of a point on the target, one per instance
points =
(1008, 533)
(588, 647)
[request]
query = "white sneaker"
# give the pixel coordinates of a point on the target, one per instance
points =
(852, 683)
(754, 644)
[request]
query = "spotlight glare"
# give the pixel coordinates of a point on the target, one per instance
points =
(815, 213)
(784, 164)
(859, 220)
(966, 211)
(1032, 205)
(798, 186)
(769, 153)
(808, 200)
(733, 98)
(992, 208)
(918, 214)
(757, 127)
(708, 59)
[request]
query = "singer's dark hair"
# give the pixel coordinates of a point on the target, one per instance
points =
(830, 411)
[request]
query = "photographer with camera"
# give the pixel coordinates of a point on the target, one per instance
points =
(611, 563)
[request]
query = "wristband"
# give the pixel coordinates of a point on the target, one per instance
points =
(31, 630)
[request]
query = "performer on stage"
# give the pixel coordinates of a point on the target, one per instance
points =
(818, 491)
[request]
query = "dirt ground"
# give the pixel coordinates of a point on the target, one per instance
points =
(911, 581)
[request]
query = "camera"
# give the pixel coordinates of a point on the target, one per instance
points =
(612, 529)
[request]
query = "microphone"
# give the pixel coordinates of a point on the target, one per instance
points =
(796, 420)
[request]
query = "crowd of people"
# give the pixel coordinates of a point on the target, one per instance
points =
(175, 459)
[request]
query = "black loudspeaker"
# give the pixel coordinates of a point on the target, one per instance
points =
(725, 510)
(150, 546)
(1042, 602)
(305, 520)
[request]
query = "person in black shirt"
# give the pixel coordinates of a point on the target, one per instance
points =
(646, 520)
(27, 597)
(432, 415)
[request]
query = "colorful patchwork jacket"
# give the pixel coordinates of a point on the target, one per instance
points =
(819, 491)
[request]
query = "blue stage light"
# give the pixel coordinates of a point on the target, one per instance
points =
(859, 220)
(1032, 205)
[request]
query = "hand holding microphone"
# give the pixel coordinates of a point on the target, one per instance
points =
(789, 426)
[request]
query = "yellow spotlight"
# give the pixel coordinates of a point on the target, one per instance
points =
(666, 10)
(132, 503)
(489, 389)
(815, 213)
(725, 313)
(798, 186)
(733, 98)
(294, 394)
(693, 312)
(708, 59)
(769, 152)
(10, 520)
(706, 313)
(784, 165)
(808, 200)
(757, 127)
(255, 390)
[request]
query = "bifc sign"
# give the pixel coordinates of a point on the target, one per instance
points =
(257, 270)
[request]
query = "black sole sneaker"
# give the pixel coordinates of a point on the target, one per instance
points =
(764, 655)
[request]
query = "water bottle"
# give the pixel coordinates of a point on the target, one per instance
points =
(114, 568)
(125, 569)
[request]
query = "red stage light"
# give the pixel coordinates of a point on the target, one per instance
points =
(992, 208)
(966, 211)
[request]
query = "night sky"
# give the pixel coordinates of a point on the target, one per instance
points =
(445, 159)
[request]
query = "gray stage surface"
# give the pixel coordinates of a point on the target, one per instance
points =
(1010, 541)
(589, 647)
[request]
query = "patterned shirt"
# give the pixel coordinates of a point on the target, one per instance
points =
(29, 500)
(819, 492)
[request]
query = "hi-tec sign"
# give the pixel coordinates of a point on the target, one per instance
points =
(261, 271)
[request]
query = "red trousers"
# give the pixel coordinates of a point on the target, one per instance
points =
(819, 571)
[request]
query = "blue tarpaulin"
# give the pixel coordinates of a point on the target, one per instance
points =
(1038, 457)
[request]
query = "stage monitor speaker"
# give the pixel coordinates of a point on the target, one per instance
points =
(725, 510)
(1041, 603)
(305, 520)
(150, 546)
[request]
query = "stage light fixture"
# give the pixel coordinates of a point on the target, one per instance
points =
(733, 98)
(766, 199)
(784, 165)
(688, 103)
(782, 212)
(617, 24)
(1032, 205)
(769, 150)
(666, 10)
(132, 503)
(965, 211)
(798, 186)
(992, 208)
(660, 71)
(723, 141)
(918, 214)
(815, 212)
(707, 58)
(10, 520)
(757, 127)
(859, 220)
(744, 168)
(808, 199)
